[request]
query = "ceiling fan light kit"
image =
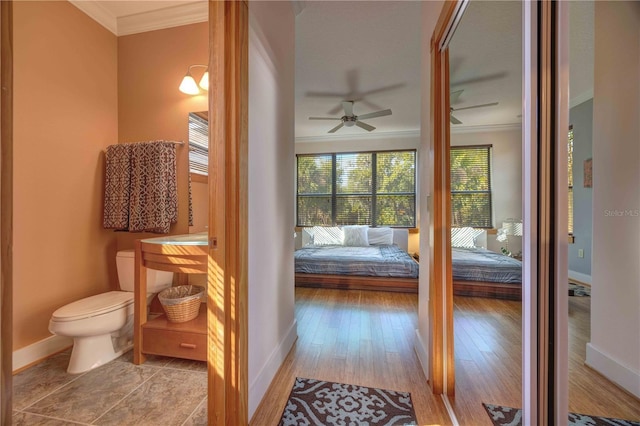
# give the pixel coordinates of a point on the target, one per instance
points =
(349, 119)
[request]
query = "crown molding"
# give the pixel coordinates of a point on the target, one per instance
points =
(174, 16)
(184, 14)
(486, 128)
(98, 13)
(582, 97)
(405, 134)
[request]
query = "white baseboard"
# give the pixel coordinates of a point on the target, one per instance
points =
(423, 355)
(613, 370)
(40, 350)
(259, 387)
(578, 276)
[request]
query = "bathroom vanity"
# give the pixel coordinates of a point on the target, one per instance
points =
(183, 254)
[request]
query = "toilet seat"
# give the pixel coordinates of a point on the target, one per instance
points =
(92, 306)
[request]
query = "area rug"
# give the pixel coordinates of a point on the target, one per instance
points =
(507, 416)
(318, 403)
(579, 290)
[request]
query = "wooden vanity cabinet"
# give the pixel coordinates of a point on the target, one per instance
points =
(182, 254)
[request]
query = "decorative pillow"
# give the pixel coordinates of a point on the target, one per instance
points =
(380, 236)
(356, 235)
(327, 235)
(464, 237)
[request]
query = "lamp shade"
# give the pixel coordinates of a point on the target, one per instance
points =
(204, 81)
(189, 85)
(512, 227)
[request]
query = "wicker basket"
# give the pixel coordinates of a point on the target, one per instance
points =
(181, 303)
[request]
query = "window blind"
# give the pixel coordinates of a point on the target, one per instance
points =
(198, 145)
(364, 188)
(471, 203)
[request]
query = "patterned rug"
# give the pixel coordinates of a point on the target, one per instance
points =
(503, 416)
(579, 290)
(313, 402)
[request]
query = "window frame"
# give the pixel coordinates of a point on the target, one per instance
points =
(489, 191)
(335, 195)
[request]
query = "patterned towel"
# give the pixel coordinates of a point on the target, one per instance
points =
(141, 187)
(117, 187)
(154, 192)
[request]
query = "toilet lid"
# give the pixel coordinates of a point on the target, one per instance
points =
(94, 305)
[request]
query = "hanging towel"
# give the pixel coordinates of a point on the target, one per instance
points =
(117, 187)
(190, 203)
(153, 204)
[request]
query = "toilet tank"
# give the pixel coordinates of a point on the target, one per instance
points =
(156, 280)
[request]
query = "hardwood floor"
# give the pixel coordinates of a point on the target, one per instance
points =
(357, 337)
(488, 362)
(366, 338)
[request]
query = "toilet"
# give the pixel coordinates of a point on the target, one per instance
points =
(102, 325)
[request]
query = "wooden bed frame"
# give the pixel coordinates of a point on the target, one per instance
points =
(406, 285)
(353, 282)
(487, 289)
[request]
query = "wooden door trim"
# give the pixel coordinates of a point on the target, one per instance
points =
(6, 211)
(442, 368)
(227, 295)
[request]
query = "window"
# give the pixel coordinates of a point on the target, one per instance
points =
(365, 188)
(198, 143)
(570, 176)
(471, 186)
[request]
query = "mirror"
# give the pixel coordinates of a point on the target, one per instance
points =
(198, 166)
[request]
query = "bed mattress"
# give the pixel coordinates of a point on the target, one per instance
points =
(376, 261)
(477, 264)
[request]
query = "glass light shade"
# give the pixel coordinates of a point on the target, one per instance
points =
(204, 81)
(349, 123)
(189, 85)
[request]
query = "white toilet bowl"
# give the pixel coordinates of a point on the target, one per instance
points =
(102, 325)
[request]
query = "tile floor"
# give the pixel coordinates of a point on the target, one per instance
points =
(162, 391)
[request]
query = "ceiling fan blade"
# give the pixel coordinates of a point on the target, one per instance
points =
(453, 98)
(348, 108)
(476, 106)
(454, 120)
(338, 127)
(375, 114)
(364, 126)
(324, 118)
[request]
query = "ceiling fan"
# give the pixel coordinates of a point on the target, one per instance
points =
(349, 119)
(453, 98)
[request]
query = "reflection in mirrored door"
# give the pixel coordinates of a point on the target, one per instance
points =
(486, 208)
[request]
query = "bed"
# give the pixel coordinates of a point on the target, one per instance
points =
(482, 273)
(384, 265)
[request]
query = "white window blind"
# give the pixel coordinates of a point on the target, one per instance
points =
(198, 144)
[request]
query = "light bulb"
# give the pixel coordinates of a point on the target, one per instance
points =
(189, 85)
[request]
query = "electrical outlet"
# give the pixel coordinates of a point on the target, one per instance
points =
(580, 252)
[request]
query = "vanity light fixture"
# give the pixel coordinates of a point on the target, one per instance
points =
(189, 85)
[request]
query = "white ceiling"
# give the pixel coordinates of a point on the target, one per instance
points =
(358, 50)
(370, 51)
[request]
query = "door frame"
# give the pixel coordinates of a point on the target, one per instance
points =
(544, 301)
(6, 211)
(227, 289)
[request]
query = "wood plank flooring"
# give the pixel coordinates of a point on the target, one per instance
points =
(489, 363)
(366, 338)
(357, 337)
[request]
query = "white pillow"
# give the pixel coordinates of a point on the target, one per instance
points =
(327, 235)
(464, 237)
(380, 236)
(356, 235)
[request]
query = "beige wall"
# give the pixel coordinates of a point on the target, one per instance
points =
(614, 349)
(65, 114)
(150, 106)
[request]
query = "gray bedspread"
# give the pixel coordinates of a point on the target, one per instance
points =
(478, 264)
(378, 261)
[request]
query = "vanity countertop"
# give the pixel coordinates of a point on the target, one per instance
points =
(199, 239)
